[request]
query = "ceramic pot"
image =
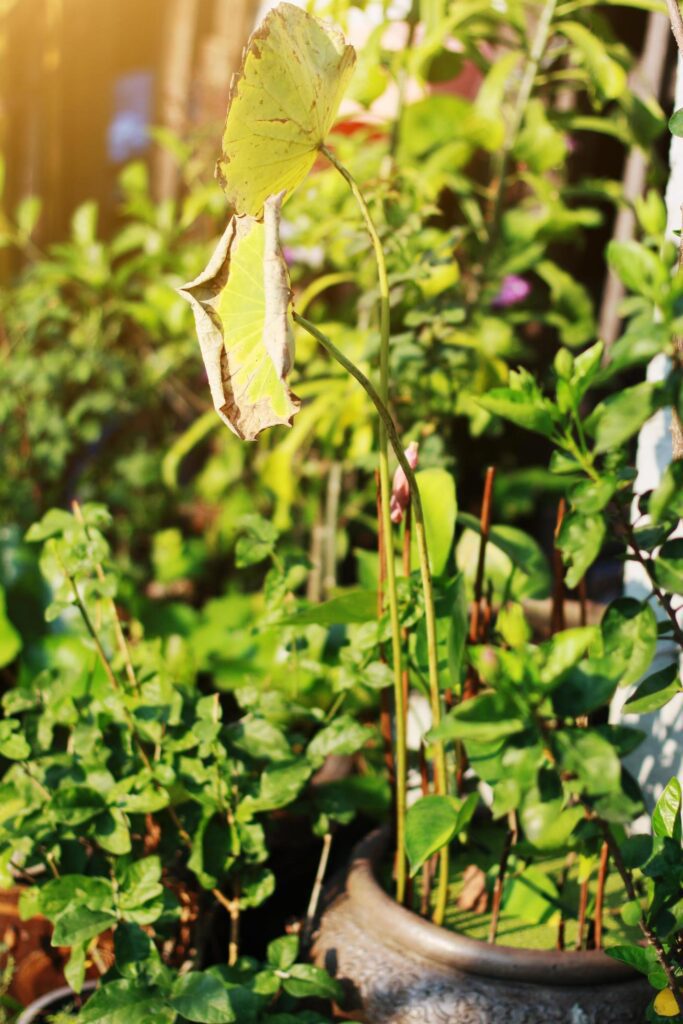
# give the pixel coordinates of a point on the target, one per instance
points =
(398, 968)
(40, 1009)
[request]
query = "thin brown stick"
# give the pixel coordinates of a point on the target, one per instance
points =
(561, 886)
(471, 681)
(406, 573)
(312, 908)
(234, 941)
(627, 879)
(583, 907)
(583, 602)
(600, 893)
(676, 22)
(510, 840)
(663, 599)
(485, 525)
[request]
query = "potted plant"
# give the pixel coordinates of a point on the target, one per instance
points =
(134, 805)
(519, 721)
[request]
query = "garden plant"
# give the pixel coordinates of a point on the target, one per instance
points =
(165, 738)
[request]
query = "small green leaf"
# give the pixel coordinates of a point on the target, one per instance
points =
(608, 77)
(668, 566)
(629, 630)
(636, 850)
(580, 540)
(202, 997)
(257, 542)
(564, 650)
(344, 735)
(520, 408)
(485, 718)
(631, 913)
(512, 625)
(79, 924)
(666, 501)
(128, 1002)
(639, 957)
(431, 823)
(676, 123)
(640, 269)
(656, 691)
(74, 805)
(621, 416)
(353, 606)
(440, 508)
(666, 817)
(13, 745)
(10, 640)
(283, 952)
(305, 980)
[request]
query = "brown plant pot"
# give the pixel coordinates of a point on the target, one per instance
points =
(398, 968)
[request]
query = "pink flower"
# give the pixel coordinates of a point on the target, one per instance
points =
(513, 289)
(400, 491)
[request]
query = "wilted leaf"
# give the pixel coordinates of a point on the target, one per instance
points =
(241, 309)
(283, 102)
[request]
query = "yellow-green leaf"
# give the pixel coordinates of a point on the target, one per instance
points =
(283, 102)
(241, 304)
(665, 1004)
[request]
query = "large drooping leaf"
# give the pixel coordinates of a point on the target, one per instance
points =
(241, 309)
(282, 104)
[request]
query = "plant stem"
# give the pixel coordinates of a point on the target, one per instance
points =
(118, 629)
(406, 572)
(674, 981)
(386, 526)
(676, 22)
(538, 45)
(510, 840)
(600, 893)
(471, 682)
(583, 907)
(234, 911)
(663, 599)
(385, 693)
(557, 617)
(426, 576)
(312, 908)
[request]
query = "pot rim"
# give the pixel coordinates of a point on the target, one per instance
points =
(44, 1002)
(376, 912)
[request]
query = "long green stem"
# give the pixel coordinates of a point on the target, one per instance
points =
(387, 531)
(538, 46)
(426, 577)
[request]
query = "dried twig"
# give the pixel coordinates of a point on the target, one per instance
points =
(510, 840)
(600, 893)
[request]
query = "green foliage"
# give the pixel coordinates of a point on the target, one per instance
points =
(658, 861)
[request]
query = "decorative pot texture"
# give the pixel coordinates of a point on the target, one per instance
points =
(52, 1002)
(400, 969)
